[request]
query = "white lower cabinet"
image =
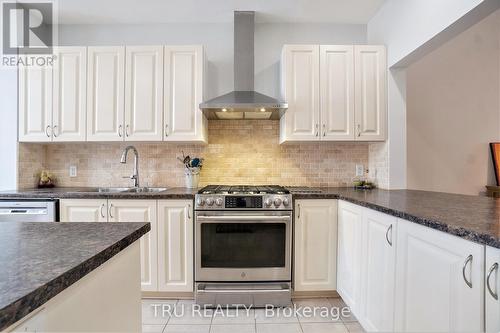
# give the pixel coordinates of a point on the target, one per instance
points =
(315, 263)
(175, 246)
(166, 251)
(439, 282)
(492, 282)
(376, 310)
(83, 210)
(140, 211)
(349, 253)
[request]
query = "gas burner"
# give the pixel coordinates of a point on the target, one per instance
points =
(243, 189)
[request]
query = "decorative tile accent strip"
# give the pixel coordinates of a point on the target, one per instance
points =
(239, 152)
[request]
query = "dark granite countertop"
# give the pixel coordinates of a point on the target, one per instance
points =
(39, 260)
(470, 217)
(92, 193)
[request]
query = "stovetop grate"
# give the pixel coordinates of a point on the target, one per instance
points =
(244, 189)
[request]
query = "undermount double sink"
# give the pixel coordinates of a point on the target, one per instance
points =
(130, 189)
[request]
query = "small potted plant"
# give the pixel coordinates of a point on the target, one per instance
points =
(192, 168)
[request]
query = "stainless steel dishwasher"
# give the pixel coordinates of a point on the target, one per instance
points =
(29, 210)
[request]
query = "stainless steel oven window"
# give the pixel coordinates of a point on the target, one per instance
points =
(243, 246)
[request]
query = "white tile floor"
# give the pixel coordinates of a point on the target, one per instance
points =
(177, 317)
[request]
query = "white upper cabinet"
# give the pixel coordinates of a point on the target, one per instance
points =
(35, 104)
(349, 253)
(315, 260)
(183, 92)
(492, 290)
(334, 93)
(105, 93)
(300, 89)
(370, 70)
(175, 246)
(337, 92)
(376, 312)
(144, 93)
(69, 94)
(439, 282)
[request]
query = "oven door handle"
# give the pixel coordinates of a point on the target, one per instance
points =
(237, 218)
(204, 289)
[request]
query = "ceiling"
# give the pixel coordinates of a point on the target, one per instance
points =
(214, 11)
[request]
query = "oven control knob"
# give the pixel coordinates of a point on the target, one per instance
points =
(210, 201)
(200, 201)
(286, 202)
(268, 202)
(218, 201)
(277, 202)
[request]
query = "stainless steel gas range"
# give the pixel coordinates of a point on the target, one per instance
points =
(243, 246)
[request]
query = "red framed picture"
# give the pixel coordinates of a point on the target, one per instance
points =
(495, 155)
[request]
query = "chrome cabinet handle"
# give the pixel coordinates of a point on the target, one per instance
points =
(102, 214)
(110, 210)
(120, 131)
(389, 241)
(189, 209)
(47, 131)
(317, 129)
(298, 211)
(324, 130)
(54, 131)
(359, 130)
(469, 259)
(492, 269)
(126, 131)
(166, 129)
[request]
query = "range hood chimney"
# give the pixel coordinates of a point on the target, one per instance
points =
(243, 102)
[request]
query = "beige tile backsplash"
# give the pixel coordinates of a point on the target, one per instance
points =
(239, 152)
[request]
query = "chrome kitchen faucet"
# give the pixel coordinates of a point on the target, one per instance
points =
(123, 160)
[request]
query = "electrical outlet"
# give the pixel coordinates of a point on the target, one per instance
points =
(360, 170)
(72, 171)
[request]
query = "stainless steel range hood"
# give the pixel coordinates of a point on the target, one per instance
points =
(243, 102)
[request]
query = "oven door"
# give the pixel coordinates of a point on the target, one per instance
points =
(243, 246)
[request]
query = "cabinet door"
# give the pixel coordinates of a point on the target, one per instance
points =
(105, 88)
(491, 296)
(175, 245)
(35, 104)
(300, 89)
(83, 210)
(70, 80)
(433, 270)
(141, 211)
(144, 93)
(337, 92)
(378, 271)
(183, 92)
(370, 71)
(315, 266)
(349, 253)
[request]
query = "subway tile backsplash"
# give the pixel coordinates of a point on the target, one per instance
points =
(239, 152)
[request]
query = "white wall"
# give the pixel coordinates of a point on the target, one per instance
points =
(405, 25)
(453, 112)
(410, 29)
(8, 128)
(218, 41)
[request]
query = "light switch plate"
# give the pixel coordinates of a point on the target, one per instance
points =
(72, 171)
(360, 170)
